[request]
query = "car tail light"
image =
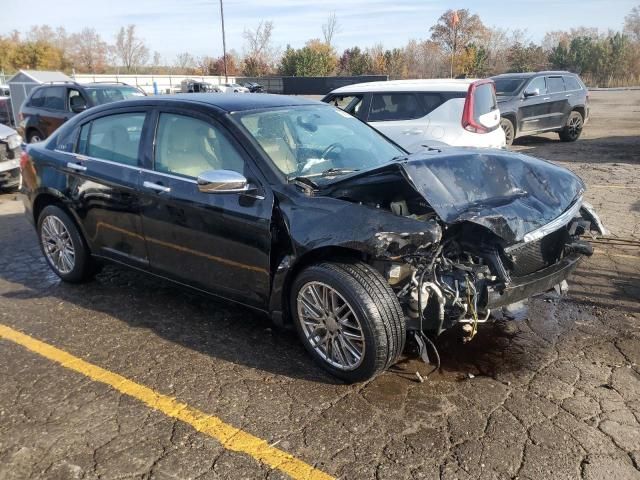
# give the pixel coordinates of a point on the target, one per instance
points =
(469, 122)
(24, 160)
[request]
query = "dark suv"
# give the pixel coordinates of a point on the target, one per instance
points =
(50, 105)
(539, 102)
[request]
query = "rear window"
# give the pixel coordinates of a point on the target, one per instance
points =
(54, 98)
(432, 100)
(37, 99)
(484, 100)
(555, 84)
(571, 83)
(114, 137)
(386, 107)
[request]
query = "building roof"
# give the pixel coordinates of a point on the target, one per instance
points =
(39, 76)
(425, 85)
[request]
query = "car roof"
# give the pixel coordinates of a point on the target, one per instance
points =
(226, 102)
(420, 85)
(533, 74)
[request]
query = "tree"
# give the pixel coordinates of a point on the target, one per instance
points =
(129, 49)
(526, 58)
(315, 59)
(395, 63)
(354, 62)
(457, 29)
(259, 50)
(89, 53)
(632, 24)
(184, 62)
(331, 28)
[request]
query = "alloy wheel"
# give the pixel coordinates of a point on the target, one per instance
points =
(331, 326)
(57, 244)
(575, 125)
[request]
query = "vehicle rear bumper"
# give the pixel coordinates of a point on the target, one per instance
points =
(533, 284)
(9, 177)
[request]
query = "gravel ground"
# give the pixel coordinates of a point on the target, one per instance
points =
(557, 398)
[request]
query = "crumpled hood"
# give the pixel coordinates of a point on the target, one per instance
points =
(6, 132)
(508, 193)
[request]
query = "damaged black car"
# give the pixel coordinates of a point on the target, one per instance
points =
(296, 209)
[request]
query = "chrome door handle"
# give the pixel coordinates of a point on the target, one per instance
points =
(156, 187)
(568, 94)
(546, 98)
(414, 131)
(77, 167)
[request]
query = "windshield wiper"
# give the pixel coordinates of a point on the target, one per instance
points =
(337, 171)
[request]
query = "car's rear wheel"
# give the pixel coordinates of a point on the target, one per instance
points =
(63, 247)
(573, 129)
(348, 318)
(508, 129)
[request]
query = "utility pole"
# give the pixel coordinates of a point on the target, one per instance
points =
(224, 45)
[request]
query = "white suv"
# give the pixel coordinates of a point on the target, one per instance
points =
(420, 113)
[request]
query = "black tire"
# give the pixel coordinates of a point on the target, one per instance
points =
(573, 129)
(34, 136)
(374, 304)
(508, 129)
(83, 266)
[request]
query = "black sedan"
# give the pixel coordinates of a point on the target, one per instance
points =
(297, 209)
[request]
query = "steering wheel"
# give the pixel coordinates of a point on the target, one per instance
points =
(333, 147)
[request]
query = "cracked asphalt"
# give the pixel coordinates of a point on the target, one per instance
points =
(557, 397)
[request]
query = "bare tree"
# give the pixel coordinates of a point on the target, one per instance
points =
(258, 47)
(632, 24)
(129, 49)
(331, 28)
(89, 53)
(184, 61)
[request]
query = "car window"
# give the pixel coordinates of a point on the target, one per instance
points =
(571, 83)
(55, 98)
(387, 107)
(349, 103)
(114, 137)
(37, 99)
(539, 84)
(555, 84)
(432, 100)
(102, 95)
(190, 146)
(484, 100)
(508, 87)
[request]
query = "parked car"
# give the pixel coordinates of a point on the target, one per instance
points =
(294, 208)
(233, 88)
(50, 105)
(10, 150)
(194, 86)
(419, 113)
(254, 87)
(532, 103)
(6, 112)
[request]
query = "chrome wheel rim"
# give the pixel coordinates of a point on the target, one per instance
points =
(57, 244)
(331, 326)
(35, 139)
(575, 125)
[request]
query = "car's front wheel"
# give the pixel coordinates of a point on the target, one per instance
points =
(63, 247)
(509, 130)
(572, 130)
(348, 318)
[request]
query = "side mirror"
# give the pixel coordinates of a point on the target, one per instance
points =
(222, 181)
(531, 93)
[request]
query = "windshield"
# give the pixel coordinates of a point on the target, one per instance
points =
(508, 87)
(317, 141)
(101, 95)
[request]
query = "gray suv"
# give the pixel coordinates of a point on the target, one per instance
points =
(539, 102)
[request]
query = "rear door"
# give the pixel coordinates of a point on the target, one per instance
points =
(104, 177)
(217, 242)
(559, 106)
(533, 114)
(54, 112)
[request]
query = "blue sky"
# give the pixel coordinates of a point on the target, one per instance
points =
(174, 26)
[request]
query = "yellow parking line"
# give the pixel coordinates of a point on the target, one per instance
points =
(230, 437)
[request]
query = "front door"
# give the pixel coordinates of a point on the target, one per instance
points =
(104, 181)
(534, 108)
(217, 242)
